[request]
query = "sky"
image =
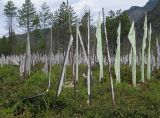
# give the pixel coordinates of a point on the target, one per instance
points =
(79, 6)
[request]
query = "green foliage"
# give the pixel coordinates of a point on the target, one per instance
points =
(46, 16)
(20, 46)
(61, 25)
(10, 9)
(36, 22)
(10, 12)
(5, 46)
(84, 31)
(15, 45)
(142, 101)
(40, 45)
(27, 15)
(112, 22)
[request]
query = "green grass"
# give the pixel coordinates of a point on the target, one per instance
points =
(140, 102)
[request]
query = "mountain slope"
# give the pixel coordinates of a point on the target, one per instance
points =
(135, 13)
(153, 17)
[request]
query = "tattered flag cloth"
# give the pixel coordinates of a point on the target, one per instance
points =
(45, 68)
(99, 48)
(117, 58)
(21, 64)
(50, 63)
(28, 56)
(64, 66)
(143, 48)
(132, 39)
(158, 52)
(149, 54)
(130, 57)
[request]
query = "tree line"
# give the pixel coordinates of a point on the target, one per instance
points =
(38, 24)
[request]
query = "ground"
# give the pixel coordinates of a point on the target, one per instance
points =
(17, 95)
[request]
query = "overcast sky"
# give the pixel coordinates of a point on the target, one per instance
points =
(79, 6)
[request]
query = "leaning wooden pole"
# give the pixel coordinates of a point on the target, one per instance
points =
(61, 80)
(109, 61)
(73, 64)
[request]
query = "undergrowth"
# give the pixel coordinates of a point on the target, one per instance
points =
(17, 95)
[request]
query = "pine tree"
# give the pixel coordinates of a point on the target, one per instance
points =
(83, 28)
(63, 15)
(10, 12)
(27, 15)
(61, 21)
(36, 22)
(46, 16)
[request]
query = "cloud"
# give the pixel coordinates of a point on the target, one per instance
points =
(79, 5)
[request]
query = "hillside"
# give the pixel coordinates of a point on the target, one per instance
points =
(154, 18)
(136, 13)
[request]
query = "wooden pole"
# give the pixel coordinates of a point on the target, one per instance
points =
(77, 51)
(73, 65)
(109, 61)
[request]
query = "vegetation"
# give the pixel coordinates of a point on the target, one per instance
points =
(39, 23)
(112, 23)
(27, 15)
(15, 97)
(10, 12)
(34, 97)
(46, 16)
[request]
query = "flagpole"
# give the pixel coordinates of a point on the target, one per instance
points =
(109, 61)
(77, 51)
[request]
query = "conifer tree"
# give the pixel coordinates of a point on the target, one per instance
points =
(46, 16)
(27, 15)
(61, 23)
(10, 12)
(36, 22)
